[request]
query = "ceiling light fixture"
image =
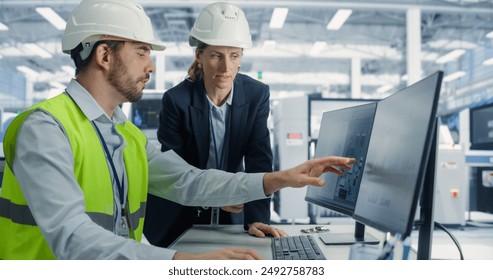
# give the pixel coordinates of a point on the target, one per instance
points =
(317, 47)
(3, 27)
(52, 17)
(384, 88)
(489, 61)
(27, 71)
(453, 55)
(454, 76)
(37, 50)
(278, 18)
(339, 19)
(57, 85)
(69, 69)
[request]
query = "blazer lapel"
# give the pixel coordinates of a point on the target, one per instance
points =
(239, 115)
(199, 116)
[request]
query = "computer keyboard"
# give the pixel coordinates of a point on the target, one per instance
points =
(296, 247)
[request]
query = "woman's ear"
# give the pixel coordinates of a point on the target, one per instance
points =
(198, 55)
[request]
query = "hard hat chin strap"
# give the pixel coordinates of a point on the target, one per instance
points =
(87, 48)
(75, 55)
(82, 52)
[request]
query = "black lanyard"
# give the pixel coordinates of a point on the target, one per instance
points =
(125, 211)
(121, 191)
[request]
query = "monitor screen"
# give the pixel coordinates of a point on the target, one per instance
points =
(145, 113)
(481, 127)
(343, 132)
(397, 157)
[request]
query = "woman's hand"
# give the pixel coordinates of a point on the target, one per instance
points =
(261, 230)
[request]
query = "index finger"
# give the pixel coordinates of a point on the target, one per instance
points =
(333, 160)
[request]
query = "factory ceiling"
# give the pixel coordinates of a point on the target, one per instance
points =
(374, 34)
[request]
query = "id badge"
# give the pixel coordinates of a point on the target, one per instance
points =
(124, 227)
(127, 224)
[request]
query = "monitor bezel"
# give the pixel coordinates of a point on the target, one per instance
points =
(478, 146)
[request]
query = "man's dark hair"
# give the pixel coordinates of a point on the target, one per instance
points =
(81, 64)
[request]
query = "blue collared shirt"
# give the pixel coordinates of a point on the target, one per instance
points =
(218, 119)
(44, 164)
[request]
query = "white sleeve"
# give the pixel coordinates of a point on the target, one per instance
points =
(172, 178)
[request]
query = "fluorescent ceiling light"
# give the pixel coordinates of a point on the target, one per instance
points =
(37, 50)
(52, 17)
(3, 27)
(339, 19)
(317, 47)
(489, 61)
(384, 88)
(453, 55)
(454, 76)
(27, 71)
(57, 85)
(278, 18)
(269, 45)
(489, 35)
(69, 69)
(448, 45)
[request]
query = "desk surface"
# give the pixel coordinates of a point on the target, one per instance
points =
(205, 238)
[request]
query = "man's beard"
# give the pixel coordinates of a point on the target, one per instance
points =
(118, 78)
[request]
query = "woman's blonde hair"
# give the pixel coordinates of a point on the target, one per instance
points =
(194, 71)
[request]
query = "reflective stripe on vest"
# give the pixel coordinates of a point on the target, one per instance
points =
(21, 214)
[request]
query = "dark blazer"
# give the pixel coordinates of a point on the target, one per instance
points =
(184, 127)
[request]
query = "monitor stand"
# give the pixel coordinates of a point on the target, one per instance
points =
(330, 238)
(426, 220)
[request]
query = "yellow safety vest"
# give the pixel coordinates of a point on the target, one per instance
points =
(20, 237)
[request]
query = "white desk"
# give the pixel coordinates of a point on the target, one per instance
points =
(205, 238)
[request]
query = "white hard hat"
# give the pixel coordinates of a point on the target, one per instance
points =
(221, 24)
(121, 18)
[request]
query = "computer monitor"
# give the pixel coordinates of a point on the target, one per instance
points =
(343, 132)
(481, 127)
(397, 160)
(145, 113)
